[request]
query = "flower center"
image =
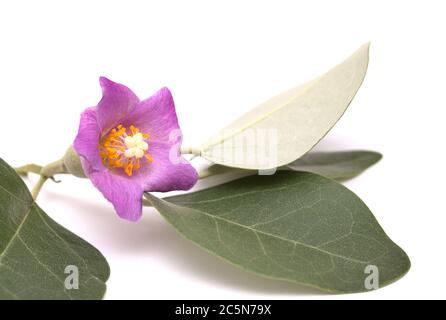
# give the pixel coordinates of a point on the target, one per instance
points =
(124, 148)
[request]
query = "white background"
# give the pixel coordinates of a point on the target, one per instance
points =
(220, 59)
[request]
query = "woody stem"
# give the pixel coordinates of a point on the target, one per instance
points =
(191, 150)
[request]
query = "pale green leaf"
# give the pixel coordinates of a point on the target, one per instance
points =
(293, 226)
(287, 126)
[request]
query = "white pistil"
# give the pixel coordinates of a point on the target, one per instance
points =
(135, 146)
(143, 145)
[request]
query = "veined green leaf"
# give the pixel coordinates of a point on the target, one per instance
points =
(39, 259)
(287, 126)
(340, 166)
(293, 226)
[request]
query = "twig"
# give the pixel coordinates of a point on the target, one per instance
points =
(38, 186)
(24, 170)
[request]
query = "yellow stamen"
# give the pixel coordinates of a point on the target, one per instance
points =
(123, 148)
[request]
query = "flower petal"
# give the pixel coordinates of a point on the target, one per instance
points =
(125, 194)
(155, 116)
(168, 171)
(87, 139)
(116, 103)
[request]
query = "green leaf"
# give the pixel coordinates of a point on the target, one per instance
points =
(293, 226)
(341, 166)
(287, 126)
(35, 250)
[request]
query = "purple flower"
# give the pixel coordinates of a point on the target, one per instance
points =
(128, 146)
